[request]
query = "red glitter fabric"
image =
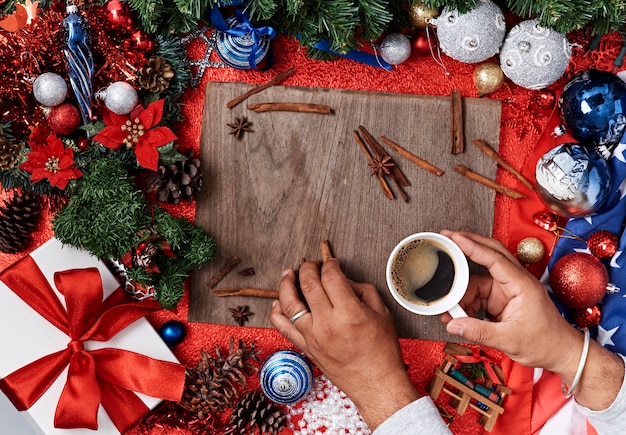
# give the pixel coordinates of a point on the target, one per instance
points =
(525, 115)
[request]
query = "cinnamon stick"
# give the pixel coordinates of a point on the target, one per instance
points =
(456, 110)
(225, 270)
(492, 154)
(412, 157)
(277, 79)
(386, 190)
(325, 251)
(246, 291)
(474, 176)
(380, 151)
(291, 107)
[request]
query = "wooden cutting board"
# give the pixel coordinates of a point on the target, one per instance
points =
(300, 178)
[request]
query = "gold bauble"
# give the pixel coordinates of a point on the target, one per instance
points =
(488, 78)
(530, 250)
(420, 16)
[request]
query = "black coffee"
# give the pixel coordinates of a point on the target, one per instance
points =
(422, 272)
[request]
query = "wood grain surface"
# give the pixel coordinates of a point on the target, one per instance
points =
(300, 178)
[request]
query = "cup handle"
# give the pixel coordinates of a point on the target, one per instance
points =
(456, 312)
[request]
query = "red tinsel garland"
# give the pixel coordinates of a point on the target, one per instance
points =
(36, 49)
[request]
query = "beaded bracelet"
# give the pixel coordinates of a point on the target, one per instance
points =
(567, 392)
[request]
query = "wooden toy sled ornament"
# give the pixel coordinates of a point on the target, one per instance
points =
(487, 398)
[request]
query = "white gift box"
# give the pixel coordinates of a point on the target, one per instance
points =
(26, 336)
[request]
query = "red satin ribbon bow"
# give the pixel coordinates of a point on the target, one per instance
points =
(476, 357)
(105, 376)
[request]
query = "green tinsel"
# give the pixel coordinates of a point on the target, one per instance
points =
(347, 24)
(107, 216)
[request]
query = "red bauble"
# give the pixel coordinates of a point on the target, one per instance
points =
(119, 16)
(64, 119)
(83, 143)
(579, 280)
(142, 41)
(588, 317)
(421, 43)
(602, 244)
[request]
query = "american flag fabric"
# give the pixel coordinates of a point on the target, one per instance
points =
(611, 333)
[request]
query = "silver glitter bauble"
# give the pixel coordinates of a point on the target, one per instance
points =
(474, 36)
(534, 57)
(121, 98)
(395, 48)
(50, 89)
(573, 180)
(286, 376)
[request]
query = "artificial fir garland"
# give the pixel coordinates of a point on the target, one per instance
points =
(110, 218)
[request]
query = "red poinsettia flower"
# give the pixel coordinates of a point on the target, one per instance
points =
(137, 131)
(51, 160)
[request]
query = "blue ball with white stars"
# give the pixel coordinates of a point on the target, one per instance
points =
(593, 108)
(172, 332)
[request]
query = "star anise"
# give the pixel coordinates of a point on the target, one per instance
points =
(239, 126)
(381, 166)
(241, 314)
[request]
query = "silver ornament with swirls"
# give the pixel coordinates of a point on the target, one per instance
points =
(533, 56)
(286, 376)
(474, 36)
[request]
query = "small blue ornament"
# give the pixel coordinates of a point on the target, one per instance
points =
(286, 377)
(172, 332)
(593, 108)
(241, 45)
(573, 180)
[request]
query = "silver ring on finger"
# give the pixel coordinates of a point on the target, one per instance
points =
(298, 315)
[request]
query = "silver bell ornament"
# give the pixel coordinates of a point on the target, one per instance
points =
(121, 98)
(395, 48)
(50, 89)
(573, 180)
(533, 56)
(474, 36)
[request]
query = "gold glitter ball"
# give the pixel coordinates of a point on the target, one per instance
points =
(420, 16)
(530, 250)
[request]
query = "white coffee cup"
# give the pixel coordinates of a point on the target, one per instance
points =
(405, 254)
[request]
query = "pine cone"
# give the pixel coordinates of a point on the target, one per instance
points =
(254, 409)
(212, 386)
(18, 219)
(156, 76)
(9, 152)
(182, 180)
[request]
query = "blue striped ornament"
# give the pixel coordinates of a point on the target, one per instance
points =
(235, 51)
(286, 377)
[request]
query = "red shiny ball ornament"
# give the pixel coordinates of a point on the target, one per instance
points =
(420, 44)
(579, 280)
(588, 317)
(83, 143)
(64, 119)
(602, 244)
(142, 41)
(119, 16)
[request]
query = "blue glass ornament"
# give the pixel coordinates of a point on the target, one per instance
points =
(240, 44)
(286, 376)
(79, 61)
(593, 108)
(573, 180)
(172, 332)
